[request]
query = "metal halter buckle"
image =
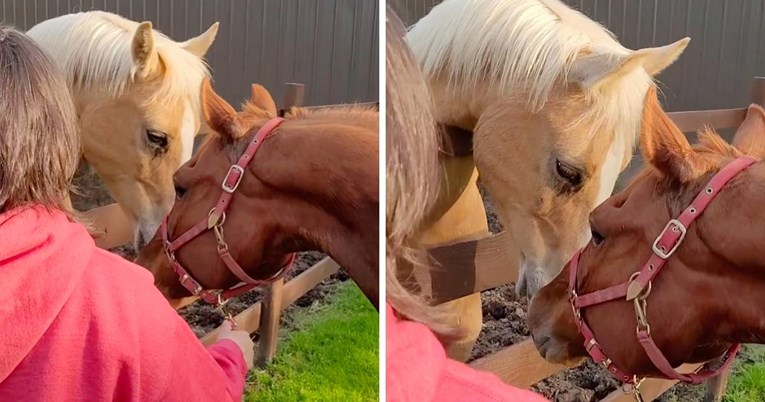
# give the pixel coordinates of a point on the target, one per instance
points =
(674, 223)
(231, 170)
(197, 287)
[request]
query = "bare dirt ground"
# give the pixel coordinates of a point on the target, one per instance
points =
(201, 317)
(504, 324)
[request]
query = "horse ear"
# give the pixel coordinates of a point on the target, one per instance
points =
(594, 70)
(201, 44)
(219, 114)
(261, 98)
(658, 58)
(750, 136)
(145, 56)
(664, 146)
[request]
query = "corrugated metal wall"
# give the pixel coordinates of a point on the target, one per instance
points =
(727, 46)
(331, 46)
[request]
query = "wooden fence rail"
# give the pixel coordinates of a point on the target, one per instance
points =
(470, 266)
(251, 318)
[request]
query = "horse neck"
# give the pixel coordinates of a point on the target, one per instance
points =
(358, 253)
(453, 107)
(353, 248)
(735, 258)
(339, 205)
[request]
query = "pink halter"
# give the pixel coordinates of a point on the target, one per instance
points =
(638, 287)
(215, 220)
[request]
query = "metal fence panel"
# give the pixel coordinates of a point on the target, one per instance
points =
(331, 46)
(727, 46)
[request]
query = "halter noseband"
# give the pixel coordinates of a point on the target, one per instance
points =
(215, 220)
(638, 287)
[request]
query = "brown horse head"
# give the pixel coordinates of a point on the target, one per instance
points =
(312, 185)
(705, 298)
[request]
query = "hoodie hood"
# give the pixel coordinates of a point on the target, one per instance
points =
(43, 255)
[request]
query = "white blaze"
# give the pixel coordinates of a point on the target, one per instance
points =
(610, 171)
(188, 132)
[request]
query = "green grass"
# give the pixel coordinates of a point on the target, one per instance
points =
(331, 354)
(747, 381)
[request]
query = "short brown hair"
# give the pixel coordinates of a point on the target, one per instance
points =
(39, 140)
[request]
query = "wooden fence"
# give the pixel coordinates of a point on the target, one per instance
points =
(264, 315)
(520, 364)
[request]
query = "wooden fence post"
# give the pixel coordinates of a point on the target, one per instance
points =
(272, 303)
(293, 95)
(269, 322)
(758, 91)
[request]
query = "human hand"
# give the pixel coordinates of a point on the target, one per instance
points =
(242, 339)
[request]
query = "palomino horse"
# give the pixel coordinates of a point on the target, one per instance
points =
(137, 98)
(312, 185)
(554, 103)
(695, 289)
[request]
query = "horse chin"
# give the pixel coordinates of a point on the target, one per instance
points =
(531, 278)
(177, 299)
(144, 232)
(556, 352)
(182, 302)
(565, 360)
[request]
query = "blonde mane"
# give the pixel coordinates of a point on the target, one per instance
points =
(335, 114)
(94, 51)
(524, 49)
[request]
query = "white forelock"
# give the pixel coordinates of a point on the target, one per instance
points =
(523, 49)
(93, 49)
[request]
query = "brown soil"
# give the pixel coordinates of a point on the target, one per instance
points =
(504, 324)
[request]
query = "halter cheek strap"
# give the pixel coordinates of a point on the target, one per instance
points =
(638, 287)
(215, 220)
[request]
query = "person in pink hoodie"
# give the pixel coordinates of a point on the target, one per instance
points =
(80, 323)
(417, 368)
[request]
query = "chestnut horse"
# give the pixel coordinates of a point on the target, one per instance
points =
(312, 185)
(708, 294)
(554, 102)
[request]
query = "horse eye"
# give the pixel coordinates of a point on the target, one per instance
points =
(597, 238)
(157, 138)
(179, 191)
(568, 173)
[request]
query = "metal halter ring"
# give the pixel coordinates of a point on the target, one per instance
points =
(219, 220)
(217, 228)
(645, 292)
